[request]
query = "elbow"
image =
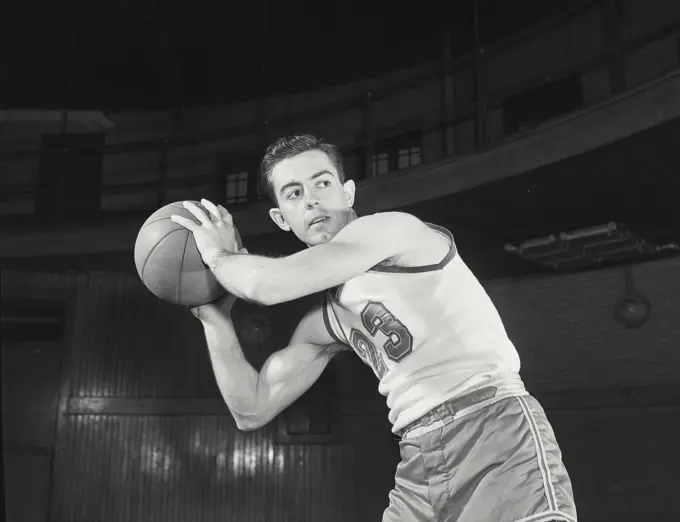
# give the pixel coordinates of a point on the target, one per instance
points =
(246, 426)
(264, 294)
(267, 288)
(248, 420)
(248, 423)
(246, 417)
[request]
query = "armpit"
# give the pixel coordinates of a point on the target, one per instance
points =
(332, 349)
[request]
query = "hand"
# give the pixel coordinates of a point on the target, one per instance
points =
(220, 308)
(214, 233)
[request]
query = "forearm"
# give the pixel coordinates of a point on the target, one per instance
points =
(269, 281)
(235, 376)
(243, 274)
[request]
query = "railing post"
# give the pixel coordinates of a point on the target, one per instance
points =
(264, 140)
(612, 35)
(444, 90)
(163, 152)
(368, 135)
(219, 185)
(60, 190)
(480, 84)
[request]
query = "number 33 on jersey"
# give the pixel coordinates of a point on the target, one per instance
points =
(386, 313)
(395, 343)
(379, 338)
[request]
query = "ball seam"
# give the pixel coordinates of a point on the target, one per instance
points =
(148, 256)
(181, 269)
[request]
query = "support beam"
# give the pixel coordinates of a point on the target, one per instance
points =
(446, 94)
(135, 25)
(367, 116)
(480, 82)
(73, 17)
(612, 35)
(171, 66)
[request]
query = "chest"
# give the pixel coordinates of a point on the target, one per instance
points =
(381, 315)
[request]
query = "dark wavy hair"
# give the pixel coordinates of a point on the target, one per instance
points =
(288, 147)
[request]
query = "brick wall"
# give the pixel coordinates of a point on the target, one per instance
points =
(565, 331)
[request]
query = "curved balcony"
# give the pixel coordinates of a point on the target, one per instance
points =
(493, 185)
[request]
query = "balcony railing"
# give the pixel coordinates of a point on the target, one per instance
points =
(485, 101)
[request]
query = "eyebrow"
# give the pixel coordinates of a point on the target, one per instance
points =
(296, 183)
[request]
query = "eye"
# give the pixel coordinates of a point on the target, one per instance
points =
(324, 183)
(294, 193)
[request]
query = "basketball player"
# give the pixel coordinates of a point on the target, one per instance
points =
(475, 446)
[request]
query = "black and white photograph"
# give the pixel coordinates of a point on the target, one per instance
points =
(340, 261)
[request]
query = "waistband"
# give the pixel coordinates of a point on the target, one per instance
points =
(450, 408)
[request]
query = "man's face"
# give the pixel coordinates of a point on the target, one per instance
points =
(313, 203)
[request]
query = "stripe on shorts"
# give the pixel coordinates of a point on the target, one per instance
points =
(540, 453)
(549, 516)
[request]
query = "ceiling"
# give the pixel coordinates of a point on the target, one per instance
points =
(634, 181)
(149, 54)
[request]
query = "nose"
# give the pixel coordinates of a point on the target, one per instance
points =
(311, 200)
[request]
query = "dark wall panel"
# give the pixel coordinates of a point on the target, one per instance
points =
(202, 468)
(125, 344)
(624, 463)
(27, 485)
(31, 375)
(30, 394)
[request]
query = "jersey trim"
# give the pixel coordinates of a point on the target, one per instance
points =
(337, 292)
(426, 268)
(327, 320)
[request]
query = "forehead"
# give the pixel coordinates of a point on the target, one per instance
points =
(301, 167)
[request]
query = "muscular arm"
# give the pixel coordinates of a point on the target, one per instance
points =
(355, 249)
(255, 398)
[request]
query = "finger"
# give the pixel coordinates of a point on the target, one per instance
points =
(214, 211)
(225, 215)
(185, 222)
(200, 215)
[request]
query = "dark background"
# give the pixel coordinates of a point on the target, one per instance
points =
(124, 54)
(110, 408)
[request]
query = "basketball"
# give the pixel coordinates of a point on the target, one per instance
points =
(169, 263)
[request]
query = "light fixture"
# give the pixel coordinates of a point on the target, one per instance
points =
(587, 247)
(632, 309)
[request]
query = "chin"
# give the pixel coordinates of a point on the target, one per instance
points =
(319, 238)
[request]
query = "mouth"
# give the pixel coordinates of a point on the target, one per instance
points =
(318, 220)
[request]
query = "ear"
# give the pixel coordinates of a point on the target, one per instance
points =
(278, 218)
(350, 189)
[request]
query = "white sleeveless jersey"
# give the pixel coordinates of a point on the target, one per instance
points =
(429, 333)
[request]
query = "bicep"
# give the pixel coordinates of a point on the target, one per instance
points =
(290, 372)
(286, 375)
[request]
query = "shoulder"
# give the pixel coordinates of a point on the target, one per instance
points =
(391, 220)
(414, 243)
(386, 227)
(402, 231)
(390, 234)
